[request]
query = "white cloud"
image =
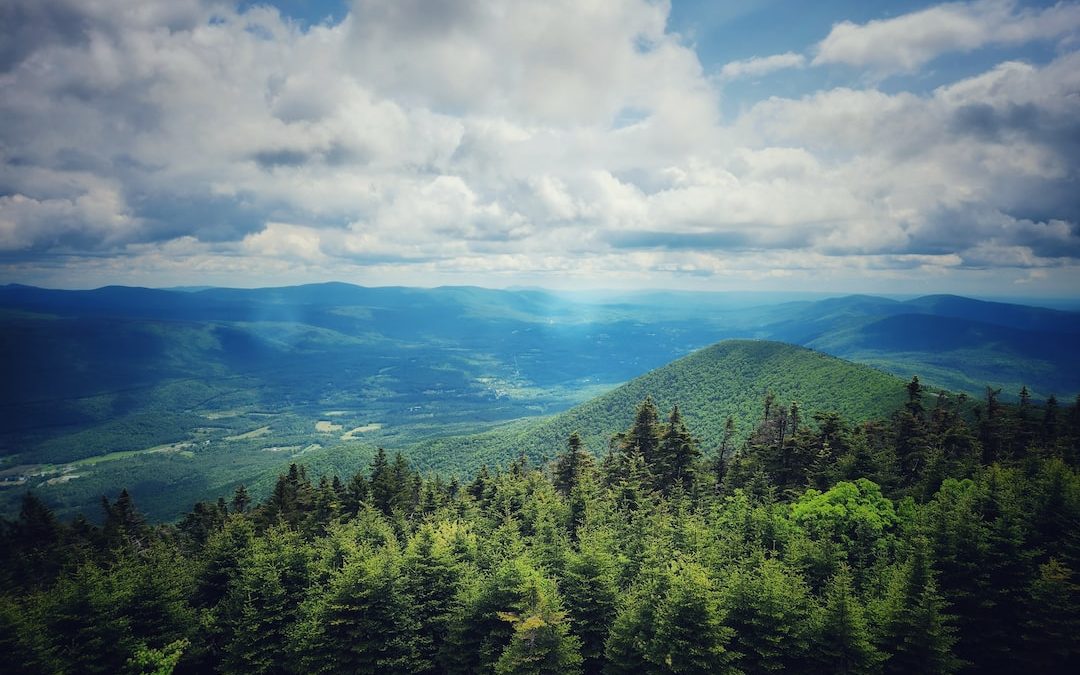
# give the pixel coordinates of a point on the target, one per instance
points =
(413, 143)
(909, 41)
(761, 65)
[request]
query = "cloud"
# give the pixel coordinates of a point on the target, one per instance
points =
(909, 41)
(548, 143)
(761, 65)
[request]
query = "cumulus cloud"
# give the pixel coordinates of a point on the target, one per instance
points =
(907, 42)
(514, 142)
(761, 65)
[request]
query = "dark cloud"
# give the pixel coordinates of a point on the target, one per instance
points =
(989, 123)
(336, 155)
(206, 217)
(29, 25)
(271, 159)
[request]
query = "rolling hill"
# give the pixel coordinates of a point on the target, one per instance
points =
(727, 379)
(182, 394)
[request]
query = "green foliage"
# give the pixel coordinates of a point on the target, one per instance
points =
(770, 611)
(916, 632)
(625, 567)
(1053, 623)
(855, 523)
(690, 635)
(591, 594)
(361, 622)
(842, 640)
(541, 643)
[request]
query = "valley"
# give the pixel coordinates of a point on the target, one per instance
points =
(182, 395)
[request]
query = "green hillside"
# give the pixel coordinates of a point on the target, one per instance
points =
(727, 379)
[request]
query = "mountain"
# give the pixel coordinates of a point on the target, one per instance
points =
(730, 378)
(999, 313)
(186, 393)
(949, 341)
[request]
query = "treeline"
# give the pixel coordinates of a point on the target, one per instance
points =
(943, 539)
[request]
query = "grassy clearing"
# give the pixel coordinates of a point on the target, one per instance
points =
(367, 428)
(282, 448)
(254, 433)
(327, 427)
(179, 448)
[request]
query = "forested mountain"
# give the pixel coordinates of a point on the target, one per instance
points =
(726, 381)
(942, 538)
(183, 394)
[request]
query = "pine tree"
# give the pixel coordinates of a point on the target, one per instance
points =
(1048, 431)
(430, 581)
(541, 643)
(356, 494)
(478, 635)
(627, 645)
(1053, 621)
(262, 604)
(363, 624)
(768, 609)
(240, 500)
(917, 635)
(82, 623)
(842, 641)
(124, 525)
(689, 634)
(676, 458)
(644, 435)
(1007, 567)
(382, 485)
(570, 465)
(591, 600)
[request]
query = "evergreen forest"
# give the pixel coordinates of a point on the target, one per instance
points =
(943, 538)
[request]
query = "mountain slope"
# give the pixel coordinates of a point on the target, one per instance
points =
(727, 379)
(961, 354)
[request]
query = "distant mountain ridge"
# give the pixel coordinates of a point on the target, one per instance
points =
(729, 378)
(138, 375)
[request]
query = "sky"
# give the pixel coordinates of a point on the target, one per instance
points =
(890, 147)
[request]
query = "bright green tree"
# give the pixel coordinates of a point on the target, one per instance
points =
(591, 596)
(541, 643)
(768, 608)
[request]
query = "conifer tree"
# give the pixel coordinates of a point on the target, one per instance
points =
(690, 636)
(124, 525)
(917, 635)
(382, 485)
(591, 596)
(541, 643)
(241, 499)
(262, 604)
(676, 459)
(644, 435)
(363, 624)
(842, 642)
(768, 609)
(570, 465)
(1006, 569)
(430, 581)
(627, 646)
(1048, 431)
(1053, 621)
(356, 494)
(478, 634)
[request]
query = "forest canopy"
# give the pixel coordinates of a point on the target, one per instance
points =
(944, 538)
